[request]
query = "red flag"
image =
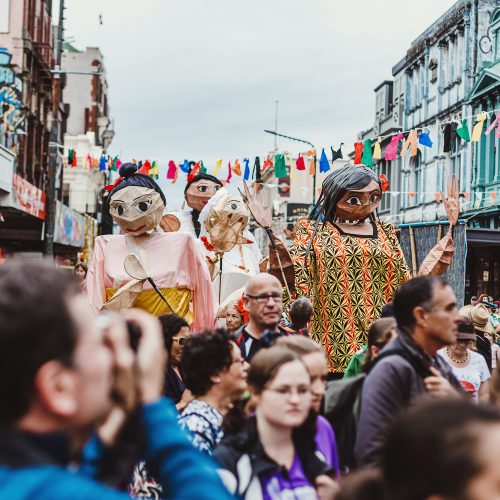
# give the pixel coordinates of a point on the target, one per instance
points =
(300, 163)
(358, 152)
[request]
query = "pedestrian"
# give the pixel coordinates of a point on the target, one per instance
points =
(273, 456)
(215, 373)
(80, 272)
(264, 302)
(175, 333)
(479, 315)
(300, 313)
(314, 358)
(437, 449)
(469, 367)
(381, 332)
(235, 318)
(426, 313)
(75, 374)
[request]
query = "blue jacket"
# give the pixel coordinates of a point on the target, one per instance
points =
(182, 470)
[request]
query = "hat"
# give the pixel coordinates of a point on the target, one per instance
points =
(480, 316)
(466, 329)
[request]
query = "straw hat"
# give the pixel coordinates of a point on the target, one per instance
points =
(480, 316)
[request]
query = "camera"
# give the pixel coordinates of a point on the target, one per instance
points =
(134, 334)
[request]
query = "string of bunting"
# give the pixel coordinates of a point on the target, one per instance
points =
(365, 152)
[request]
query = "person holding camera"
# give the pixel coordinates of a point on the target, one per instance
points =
(263, 300)
(67, 374)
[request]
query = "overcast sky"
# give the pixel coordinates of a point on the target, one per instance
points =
(198, 79)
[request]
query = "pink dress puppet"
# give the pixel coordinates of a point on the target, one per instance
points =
(126, 269)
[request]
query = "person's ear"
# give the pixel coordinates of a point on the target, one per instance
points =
(215, 379)
(420, 316)
(374, 351)
(56, 388)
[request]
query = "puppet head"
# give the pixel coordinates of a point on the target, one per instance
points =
(136, 203)
(200, 189)
(226, 221)
(350, 193)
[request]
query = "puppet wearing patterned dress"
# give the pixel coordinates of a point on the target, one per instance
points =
(347, 262)
(145, 267)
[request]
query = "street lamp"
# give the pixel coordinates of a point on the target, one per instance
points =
(303, 141)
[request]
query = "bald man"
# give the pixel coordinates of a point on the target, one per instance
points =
(263, 301)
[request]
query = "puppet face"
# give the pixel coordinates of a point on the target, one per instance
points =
(136, 209)
(199, 193)
(358, 204)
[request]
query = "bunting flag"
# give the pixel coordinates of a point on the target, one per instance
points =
(496, 123)
(256, 173)
(89, 162)
(478, 127)
(425, 140)
(102, 163)
(337, 155)
(145, 168)
(463, 131)
(185, 167)
(377, 150)
(118, 164)
(71, 156)
(299, 163)
(280, 167)
(237, 167)
(172, 170)
(218, 165)
(392, 147)
(113, 164)
(203, 169)
(311, 154)
(268, 163)
(289, 165)
(246, 175)
(324, 164)
(155, 171)
(366, 159)
(194, 171)
(229, 173)
(358, 152)
(411, 143)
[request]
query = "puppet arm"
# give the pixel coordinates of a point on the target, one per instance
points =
(298, 251)
(94, 282)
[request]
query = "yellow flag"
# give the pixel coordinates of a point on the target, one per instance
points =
(377, 151)
(218, 165)
(478, 127)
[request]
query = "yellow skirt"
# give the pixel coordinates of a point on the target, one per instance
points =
(150, 301)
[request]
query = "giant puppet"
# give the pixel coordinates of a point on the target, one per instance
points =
(146, 267)
(346, 261)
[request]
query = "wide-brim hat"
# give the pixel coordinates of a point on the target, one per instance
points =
(480, 316)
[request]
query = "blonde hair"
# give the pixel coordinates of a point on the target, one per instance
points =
(299, 344)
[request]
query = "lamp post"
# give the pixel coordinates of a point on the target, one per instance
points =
(303, 141)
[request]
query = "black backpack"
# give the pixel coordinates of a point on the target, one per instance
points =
(343, 406)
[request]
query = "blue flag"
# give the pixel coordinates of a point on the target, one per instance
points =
(102, 163)
(246, 176)
(324, 164)
(185, 167)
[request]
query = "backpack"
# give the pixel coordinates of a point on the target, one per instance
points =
(343, 406)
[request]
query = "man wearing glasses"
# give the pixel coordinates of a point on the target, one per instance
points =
(264, 302)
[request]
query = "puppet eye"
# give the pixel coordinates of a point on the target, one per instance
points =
(143, 206)
(120, 210)
(217, 187)
(234, 206)
(374, 198)
(354, 200)
(202, 189)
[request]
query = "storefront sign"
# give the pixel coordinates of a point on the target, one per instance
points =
(28, 198)
(70, 226)
(296, 210)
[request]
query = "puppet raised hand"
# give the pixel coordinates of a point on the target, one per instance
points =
(440, 257)
(255, 203)
(227, 233)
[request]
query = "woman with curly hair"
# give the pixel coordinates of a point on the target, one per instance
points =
(216, 374)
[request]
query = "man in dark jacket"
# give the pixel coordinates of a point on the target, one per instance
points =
(426, 312)
(264, 302)
(66, 373)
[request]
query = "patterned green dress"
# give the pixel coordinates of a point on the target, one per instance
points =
(348, 278)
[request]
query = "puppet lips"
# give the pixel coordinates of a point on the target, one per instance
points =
(140, 228)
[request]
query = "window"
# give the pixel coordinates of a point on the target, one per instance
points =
(433, 65)
(416, 168)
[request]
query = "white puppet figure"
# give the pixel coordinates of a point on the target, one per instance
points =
(146, 267)
(229, 245)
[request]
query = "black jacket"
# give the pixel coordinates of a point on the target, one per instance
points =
(244, 462)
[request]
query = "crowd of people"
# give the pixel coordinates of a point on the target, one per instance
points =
(127, 405)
